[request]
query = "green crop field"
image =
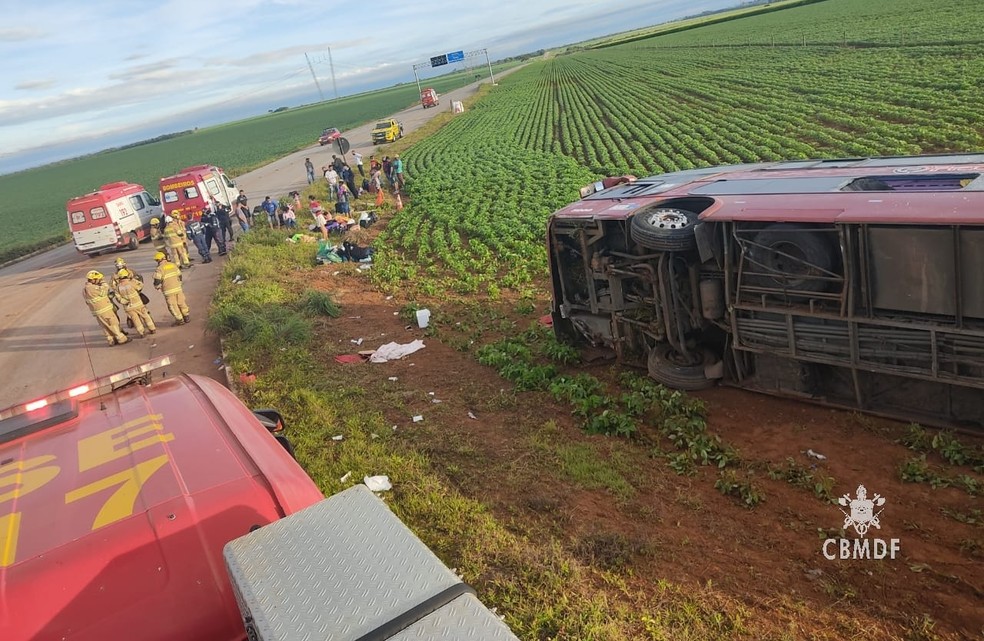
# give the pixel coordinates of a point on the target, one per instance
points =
(484, 186)
(33, 211)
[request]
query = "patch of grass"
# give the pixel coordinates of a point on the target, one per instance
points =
(610, 551)
(917, 470)
(582, 464)
(798, 475)
(746, 492)
(318, 303)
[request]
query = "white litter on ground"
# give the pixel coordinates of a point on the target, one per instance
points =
(395, 351)
(378, 483)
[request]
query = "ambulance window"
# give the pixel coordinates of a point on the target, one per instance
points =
(170, 196)
(137, 201)
(212, 186)
(191, 192)
(228, 182)
(96, 213)
(153, 202)
(78, 217)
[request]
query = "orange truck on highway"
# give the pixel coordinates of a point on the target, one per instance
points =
(153, 510)
(429, 98)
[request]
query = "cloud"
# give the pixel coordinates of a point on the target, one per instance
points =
(34, 84)
(149, 71)
(20, 34)
(293, 54)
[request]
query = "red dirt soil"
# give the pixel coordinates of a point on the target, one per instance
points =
(680, 528)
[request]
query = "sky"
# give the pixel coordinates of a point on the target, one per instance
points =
(81, 76)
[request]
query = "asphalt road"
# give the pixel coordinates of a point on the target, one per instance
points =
(48, 339)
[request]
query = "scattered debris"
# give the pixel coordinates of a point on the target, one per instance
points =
(238, 279)
(357, 342)
(472, 416)
(395, 351)
(394, 428)
(247, 378)
(423, 317)
(192, 346)
(347, 476)
(348, 359)
(378, 483)
(394, 378)
(337, 437)
(418, 418)
(818, 456)
(217, 361)
(374, 435)
(389, 298)
(436, 400)
(430, 393)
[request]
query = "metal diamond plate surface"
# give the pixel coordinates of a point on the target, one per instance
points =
(335, 571)
(464, 618)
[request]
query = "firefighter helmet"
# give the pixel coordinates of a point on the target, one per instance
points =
(159, 256)
(155, 221)
(124, 273)
(94, 275)
(120, 263)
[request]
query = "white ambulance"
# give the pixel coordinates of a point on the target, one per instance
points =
(115, 216)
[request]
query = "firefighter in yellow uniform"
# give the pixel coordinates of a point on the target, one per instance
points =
(167, 278)
(96, 294)
(128, 289)
(121, 266)
(174, 238)
(157, 236)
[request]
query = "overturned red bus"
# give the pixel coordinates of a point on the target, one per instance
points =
(852, 282)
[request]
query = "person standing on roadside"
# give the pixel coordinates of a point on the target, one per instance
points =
(224, 214)
(332, 177)
(213, 230)
(242, 202)
(398, 172)
(167, 278)
(358, 163)
(270, 208)
(196, 232)
(96, 294)
(348, 176)
(309, 168)
(157, 235)
(128, 290)
(374, 165)
(174, 237)
(388, 169)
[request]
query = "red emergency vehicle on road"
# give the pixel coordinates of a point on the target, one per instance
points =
(185, 193)
(114, 216)
(115, 507)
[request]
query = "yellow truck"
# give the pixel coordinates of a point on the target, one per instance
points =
(386, 131)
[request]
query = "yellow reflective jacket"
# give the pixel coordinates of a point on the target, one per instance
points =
(174, 234)
(128, 292)
(97, 298)
(167, 278)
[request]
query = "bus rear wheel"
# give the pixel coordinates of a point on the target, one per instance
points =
(669, 367)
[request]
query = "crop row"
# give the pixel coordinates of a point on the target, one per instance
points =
(483, 187)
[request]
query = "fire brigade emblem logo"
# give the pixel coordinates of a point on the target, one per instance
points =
(862, 515)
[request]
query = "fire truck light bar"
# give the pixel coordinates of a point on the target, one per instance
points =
(98, 385)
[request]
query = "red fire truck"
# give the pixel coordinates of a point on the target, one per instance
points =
(852, 282)
(152, 510)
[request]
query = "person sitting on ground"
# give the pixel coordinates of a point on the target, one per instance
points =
(352, 252)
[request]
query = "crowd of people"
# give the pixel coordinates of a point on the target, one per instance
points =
(218, 224)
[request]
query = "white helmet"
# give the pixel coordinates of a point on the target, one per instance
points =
(168, 219)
